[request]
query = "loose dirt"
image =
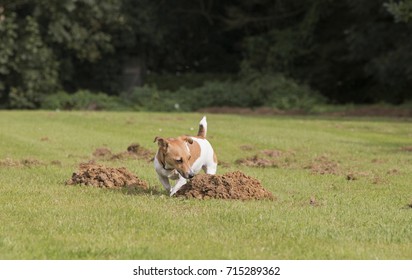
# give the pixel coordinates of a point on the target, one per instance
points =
(232, 185)
(133, 151)
(91, 174)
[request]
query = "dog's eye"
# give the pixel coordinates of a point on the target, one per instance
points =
(179, 160)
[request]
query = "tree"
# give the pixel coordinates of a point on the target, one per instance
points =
(42, 38)
(402, 10)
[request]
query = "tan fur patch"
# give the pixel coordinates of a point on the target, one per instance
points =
(194, 152)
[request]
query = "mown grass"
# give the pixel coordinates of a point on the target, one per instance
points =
(366, 218)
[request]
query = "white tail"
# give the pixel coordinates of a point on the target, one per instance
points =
(202, 128)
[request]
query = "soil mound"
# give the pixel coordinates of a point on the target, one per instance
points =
(266, 158)
(134, 151)
(323, 165)
(28, 162)
(91, 174)
(232, 185)
(256, 161)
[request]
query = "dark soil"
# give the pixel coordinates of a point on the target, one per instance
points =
(232, 185)
(91, 174)
(133, 151)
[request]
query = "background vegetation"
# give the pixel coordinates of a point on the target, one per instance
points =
(347, 51)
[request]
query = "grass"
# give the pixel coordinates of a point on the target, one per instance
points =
(366, 218)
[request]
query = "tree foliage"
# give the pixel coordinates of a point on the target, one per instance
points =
(350, 51)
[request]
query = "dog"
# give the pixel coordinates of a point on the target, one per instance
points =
(183, 157)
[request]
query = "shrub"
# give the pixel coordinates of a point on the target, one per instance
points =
(148, 98)
(82, 100)
(254, 90)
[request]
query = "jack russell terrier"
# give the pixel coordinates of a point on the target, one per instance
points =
(182, 157)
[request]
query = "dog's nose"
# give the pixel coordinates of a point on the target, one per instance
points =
(191, 175)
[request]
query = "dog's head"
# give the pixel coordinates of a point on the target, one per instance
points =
(174, 153)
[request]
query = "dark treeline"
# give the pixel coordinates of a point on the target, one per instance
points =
(349, 51)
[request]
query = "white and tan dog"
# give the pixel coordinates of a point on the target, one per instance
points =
(182, 157)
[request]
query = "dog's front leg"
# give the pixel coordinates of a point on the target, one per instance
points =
(178, 185)
(165, 182)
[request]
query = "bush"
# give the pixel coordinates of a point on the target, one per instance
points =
(270, 90)
(82, 100)
(253, 90)
(148, 98)
(174, 82)
(279, 92)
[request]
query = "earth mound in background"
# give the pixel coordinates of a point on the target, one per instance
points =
(232, 185)
(134, 151)
(91, 174)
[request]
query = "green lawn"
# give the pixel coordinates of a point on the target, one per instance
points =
(365, 218)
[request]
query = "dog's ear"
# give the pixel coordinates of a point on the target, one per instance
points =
(161, 142)
(188, 139)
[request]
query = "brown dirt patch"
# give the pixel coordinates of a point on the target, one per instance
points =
(27, 162)
(268, 158)
(273, 153)
(133, 151)
(256, 161)
(406, 149)
(247, 147)
(232, 185)
(91, 174)
(323, 165)
(102, 152)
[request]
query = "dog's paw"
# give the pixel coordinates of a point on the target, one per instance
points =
(173, 191)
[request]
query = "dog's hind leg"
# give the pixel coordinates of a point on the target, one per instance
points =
(210, 169)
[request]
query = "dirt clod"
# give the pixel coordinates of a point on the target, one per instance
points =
(91, 174)
(232, 185)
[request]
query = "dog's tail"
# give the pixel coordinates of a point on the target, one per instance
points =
(202, 128)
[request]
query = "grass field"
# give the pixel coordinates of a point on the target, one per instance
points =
(359, 209)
